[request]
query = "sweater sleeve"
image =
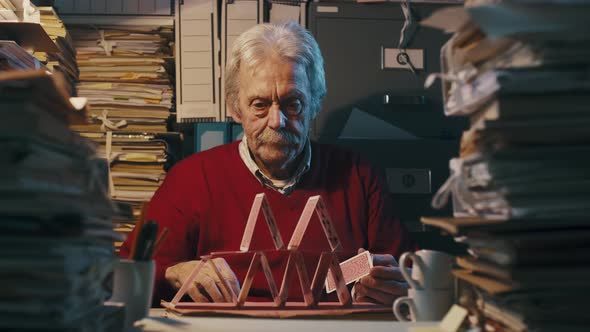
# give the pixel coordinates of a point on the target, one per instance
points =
(386, 233)
(171, 209)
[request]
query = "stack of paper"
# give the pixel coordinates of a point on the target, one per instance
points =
(138, 163)
(127, 107)
(522, 275)
(520, 188)
(525, 95)
(124, 73)
(56, 235)
(18, 11)
(7, 11)
(64, 60)
(520, 182)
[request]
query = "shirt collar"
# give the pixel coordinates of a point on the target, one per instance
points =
(284, 187)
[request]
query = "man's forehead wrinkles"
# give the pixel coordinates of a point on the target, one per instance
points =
(272, 94)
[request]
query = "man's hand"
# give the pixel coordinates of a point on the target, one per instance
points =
(384, 284)
(207, 287)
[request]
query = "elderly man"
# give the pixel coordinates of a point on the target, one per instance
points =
(275, 84)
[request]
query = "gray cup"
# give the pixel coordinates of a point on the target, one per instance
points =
(133, 284)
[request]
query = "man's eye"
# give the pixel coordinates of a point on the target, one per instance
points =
(294, 107)
(260, 106)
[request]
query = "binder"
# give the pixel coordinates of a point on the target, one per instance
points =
(117, 7)
(237, 16)
(285, 10)
(197, 74)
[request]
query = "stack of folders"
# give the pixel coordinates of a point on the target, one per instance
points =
(125, 74)
(63, 61)
(520, 187)
(56, 233)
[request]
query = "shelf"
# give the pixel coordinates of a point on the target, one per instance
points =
(118, 20)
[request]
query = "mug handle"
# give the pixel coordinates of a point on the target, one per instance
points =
(404, 270)
(398, 304)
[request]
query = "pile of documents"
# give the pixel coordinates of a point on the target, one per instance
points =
(18, 11)
(125, 74)
(64, 60)
(519, 70)
(56, 235)
(138, 164)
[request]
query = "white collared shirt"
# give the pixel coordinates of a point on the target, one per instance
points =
(284, 187)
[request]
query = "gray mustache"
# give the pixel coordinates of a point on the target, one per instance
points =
(282, 136)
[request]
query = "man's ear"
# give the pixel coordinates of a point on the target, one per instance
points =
(235, 115)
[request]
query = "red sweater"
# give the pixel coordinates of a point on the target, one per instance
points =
(206, 198)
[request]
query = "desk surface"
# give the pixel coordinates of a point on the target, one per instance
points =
(156, 322)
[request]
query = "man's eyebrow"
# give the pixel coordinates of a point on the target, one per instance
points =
(295, 93)
(254, 97)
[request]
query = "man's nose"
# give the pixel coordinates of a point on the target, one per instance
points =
(276, 118)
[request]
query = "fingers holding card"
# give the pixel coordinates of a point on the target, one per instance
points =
(384, 282)
(353, 269)
(378, 290)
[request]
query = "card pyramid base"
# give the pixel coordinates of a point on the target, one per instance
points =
(328, 263)
(269, 310)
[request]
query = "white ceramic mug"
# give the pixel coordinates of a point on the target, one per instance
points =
(133, 284)
(425, 304)
(430, 269)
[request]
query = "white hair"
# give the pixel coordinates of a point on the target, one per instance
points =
(289, 41)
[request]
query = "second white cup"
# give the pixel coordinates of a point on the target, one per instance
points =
(424, 305)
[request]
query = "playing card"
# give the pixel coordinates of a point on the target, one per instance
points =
(272, 225)
(272, 287)
(328, 226)
(260, 202)
(353, 269)
(252, 218)
(302, 223)
(315, 203)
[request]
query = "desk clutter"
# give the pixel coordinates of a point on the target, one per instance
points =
(124, 75)
(520, 187)
(56, 236)
(58, 222)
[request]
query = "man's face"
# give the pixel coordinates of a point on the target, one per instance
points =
(275, 113)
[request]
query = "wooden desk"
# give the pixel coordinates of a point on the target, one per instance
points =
(156, 322)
